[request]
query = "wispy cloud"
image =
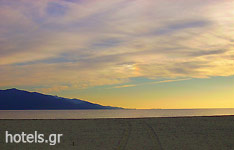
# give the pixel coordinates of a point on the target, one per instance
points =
(165, 81)
(124, 86)
(148, 83)
(93, 43)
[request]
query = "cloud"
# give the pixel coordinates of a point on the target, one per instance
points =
(94, 43)
(56, 9)
(165, 81)
(153, 82)
(204, 53)
(180, 25)
(124, 86)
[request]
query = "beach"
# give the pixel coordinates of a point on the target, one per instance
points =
(162, 133)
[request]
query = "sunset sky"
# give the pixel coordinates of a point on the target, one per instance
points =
(127, 53)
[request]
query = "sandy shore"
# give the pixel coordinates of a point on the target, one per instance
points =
(179, 133)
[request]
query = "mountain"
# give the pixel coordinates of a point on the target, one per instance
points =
(14, 99)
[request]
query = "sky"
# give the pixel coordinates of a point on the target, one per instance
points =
(129, 53)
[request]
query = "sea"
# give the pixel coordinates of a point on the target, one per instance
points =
(116, 113)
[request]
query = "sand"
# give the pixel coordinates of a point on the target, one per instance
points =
(178, 133)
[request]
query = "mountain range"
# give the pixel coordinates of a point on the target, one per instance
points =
(14, 99)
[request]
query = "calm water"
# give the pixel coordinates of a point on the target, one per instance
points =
(88, 114)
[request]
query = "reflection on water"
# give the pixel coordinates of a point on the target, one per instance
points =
(87, 114)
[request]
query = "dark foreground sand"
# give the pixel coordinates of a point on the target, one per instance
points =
(181, 133)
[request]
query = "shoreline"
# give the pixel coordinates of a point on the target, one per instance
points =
(118, 118)
(102, 114)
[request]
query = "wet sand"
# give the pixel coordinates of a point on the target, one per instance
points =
(175, 133)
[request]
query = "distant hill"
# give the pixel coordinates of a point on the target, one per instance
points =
(14, 99)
